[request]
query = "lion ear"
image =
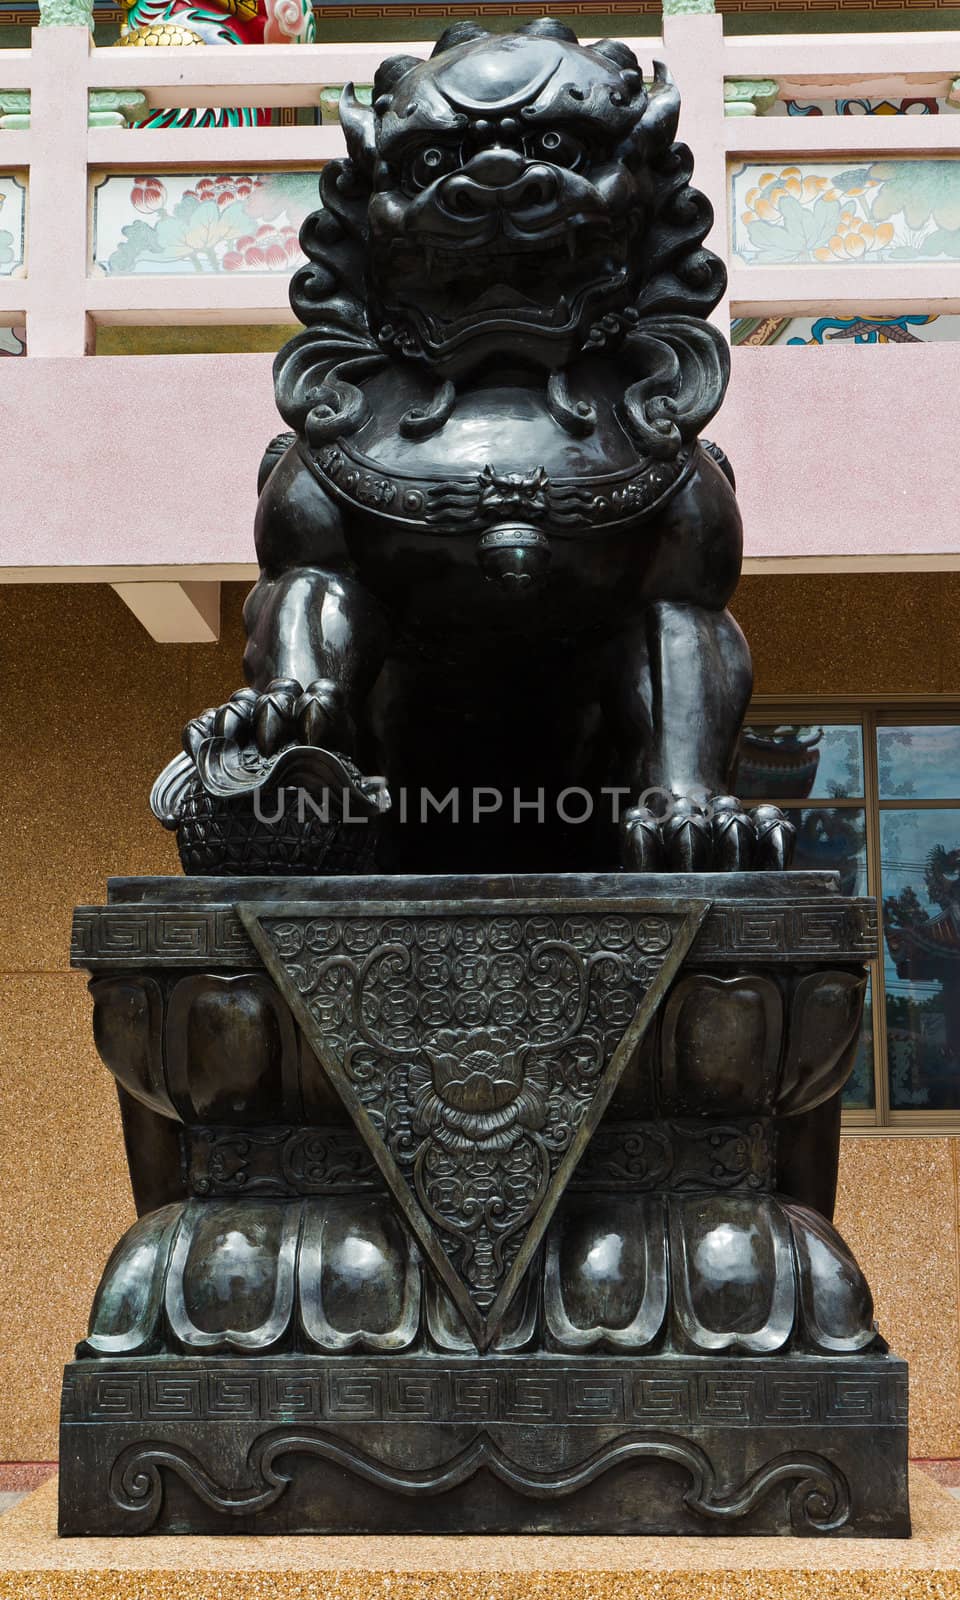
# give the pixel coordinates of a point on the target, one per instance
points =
(389, 74)
(659, 121)
(359, 127)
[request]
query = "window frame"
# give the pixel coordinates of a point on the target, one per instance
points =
(870, 713)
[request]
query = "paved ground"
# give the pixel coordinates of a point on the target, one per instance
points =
(18, 1478)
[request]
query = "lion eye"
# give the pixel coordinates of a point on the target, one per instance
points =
(559, 148)
(430, 163)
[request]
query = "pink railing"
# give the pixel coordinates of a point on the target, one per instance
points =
(827, 406)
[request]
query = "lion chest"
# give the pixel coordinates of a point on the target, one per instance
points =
(500, 458)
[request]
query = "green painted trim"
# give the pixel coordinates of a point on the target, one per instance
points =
(66, 14)
(115, 108)
(14, 109)
(749, 97)
(906, 20)
(688, 8)
(200, 339)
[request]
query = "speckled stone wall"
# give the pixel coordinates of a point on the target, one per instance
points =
(853, 633)
(91, 709)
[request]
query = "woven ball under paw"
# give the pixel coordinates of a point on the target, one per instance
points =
(271, 835)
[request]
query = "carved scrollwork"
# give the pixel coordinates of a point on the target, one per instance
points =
(819, 1496)
(280, 1161)
(677, 1155)
(686, 365)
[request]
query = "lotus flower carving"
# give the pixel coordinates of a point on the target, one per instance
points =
(481, 1087)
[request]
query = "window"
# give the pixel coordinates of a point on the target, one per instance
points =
(875, 797)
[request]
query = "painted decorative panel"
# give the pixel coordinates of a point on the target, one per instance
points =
(861, 328)
(832, 211)
(908, 106)
(13, 225)
(13, 341)
(200, 222)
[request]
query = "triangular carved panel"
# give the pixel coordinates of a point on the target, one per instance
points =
(476, 1046)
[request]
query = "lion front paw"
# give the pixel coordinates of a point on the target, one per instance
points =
(285, 738)
(717, 835)
(282, 715)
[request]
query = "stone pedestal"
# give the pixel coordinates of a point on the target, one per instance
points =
(543, 1444)
(482, 1206)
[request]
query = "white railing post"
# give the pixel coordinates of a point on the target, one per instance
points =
(694, 49)
(57, 321)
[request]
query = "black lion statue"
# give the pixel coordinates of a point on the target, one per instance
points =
(495, 559)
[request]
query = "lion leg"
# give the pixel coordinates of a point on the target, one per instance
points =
(682, 678)
(319, 637)
(685, 682)
(316, 637)
(685, 678)
(689, 698)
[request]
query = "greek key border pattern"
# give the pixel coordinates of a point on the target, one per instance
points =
(449, 10)
(108, 938)
(357, 1392)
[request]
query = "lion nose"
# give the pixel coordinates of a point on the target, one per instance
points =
(495, 168)
(498, 180)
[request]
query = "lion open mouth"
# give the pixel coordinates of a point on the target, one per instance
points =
(543, 282)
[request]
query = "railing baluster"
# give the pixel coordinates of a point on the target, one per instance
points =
(694, 51)
(57, 320)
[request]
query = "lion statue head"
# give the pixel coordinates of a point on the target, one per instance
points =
(516, 198)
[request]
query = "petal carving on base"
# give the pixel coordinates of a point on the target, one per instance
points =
(721, 1045)
(449, 1331)
(241, 1276)
(605, 1280)
(733, 1274)
(128, 1034)
(231, 1050)
(835, 1299)
(824, 1030)
(231, 1281)
(708, 1273)
(125, 1319)
(358, 1279)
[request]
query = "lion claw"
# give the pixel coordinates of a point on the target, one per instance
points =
(717, 836)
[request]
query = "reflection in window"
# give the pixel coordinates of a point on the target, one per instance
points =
(860, 1091)
(820, 773)
(796, 761)
(920, 866)
(919, 762)
(832, 839)
(789, 763)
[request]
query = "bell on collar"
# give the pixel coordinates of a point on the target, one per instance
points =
(514, 556)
